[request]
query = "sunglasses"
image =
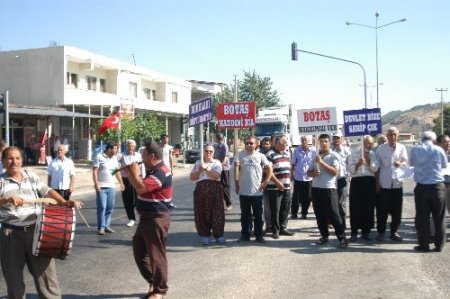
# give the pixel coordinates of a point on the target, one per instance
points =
(249, 143)
(208, 151)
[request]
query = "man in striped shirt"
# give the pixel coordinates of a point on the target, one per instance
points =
(279, 187)
(154, 195)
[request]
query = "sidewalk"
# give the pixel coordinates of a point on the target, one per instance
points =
(83, 175)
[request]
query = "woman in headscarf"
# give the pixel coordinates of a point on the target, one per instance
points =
(208, 198)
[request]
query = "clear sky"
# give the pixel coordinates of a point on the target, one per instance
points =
(214, 40)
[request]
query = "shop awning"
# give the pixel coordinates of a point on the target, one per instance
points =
(50, 112)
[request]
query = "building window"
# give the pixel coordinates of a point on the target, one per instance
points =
(102, 85)
(148, 93)
(174, 96)
(72, 80)
(133, 89)
(91, 83)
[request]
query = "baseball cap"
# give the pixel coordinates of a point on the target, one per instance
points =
(430, 135)
(338, 134)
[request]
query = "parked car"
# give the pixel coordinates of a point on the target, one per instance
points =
(192, 155)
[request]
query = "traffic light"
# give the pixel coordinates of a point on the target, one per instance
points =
(294, 53)
(2, 102)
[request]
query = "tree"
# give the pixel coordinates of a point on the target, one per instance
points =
(140, 128)
(437, 122)
(252, 88)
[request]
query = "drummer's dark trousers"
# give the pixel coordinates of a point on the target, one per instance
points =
(15, 252)
(149, 249)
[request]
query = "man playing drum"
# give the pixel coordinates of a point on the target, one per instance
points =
(18, 217)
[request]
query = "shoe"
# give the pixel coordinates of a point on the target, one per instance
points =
(149, 293)
(353, 238)
(205, 240)
(244, 239)
(322, 241)
(343, 244)
(260, 239)
(293, 217)
(101, 231)
(172, 206)
(303, 217)
(229, 208)
(221, 240)
(396, 237)
(275, 236)
(366, 237)
(380, 237)
(285, 232)
(109, 230)
(131, 223)
(422, 248)
(437, 249)
(268, 230)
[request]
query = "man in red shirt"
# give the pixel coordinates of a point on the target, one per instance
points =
(149, 242)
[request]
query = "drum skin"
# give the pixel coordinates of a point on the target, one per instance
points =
(54, 232)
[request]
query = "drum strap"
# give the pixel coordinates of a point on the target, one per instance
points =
(33, 184)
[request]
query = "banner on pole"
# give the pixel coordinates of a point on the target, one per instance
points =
(362, 122)
(317, 121)
(200, 112)
(236, 115)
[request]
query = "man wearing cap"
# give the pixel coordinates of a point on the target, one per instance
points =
(344, 153)
(428, 160)
(391, 156)
(221, 154)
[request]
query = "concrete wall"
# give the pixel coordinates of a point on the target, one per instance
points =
(33, 77)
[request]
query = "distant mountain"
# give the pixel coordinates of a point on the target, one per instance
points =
(415, 120)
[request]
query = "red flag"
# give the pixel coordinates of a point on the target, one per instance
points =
(111, 122)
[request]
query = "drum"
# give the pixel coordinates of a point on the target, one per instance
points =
(54, 232)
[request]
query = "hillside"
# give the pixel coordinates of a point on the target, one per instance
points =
(415, 120)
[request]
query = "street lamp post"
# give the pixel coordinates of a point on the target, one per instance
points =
(442, 108)
(376, 27)
(294, 56)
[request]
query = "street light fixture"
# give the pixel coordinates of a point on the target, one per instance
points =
(371, 87)
(294, 57)
(376, 27)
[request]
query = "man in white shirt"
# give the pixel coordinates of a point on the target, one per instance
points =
(103, 166)
(61, 173)
(343, 152)
(391, 156)
(167, 157)
(362, 167)
(129, 195)
(167, 151)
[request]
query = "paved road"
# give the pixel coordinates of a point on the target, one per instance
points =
(291, 267)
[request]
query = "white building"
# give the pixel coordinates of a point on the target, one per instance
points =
(63, 89)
